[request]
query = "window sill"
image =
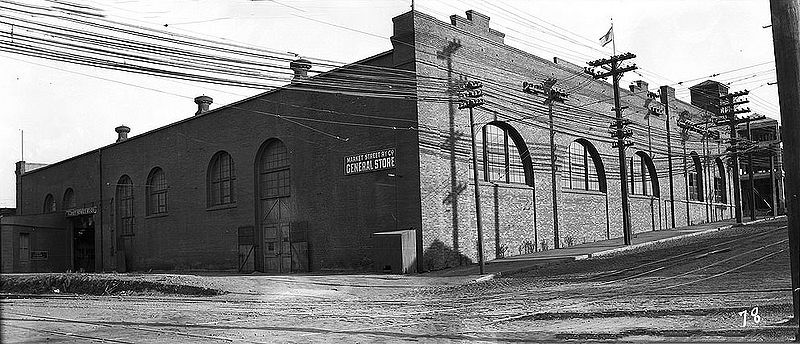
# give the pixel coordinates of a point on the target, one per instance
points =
(153, 216)
(647, 197)
(582, 192)
(505, 185)
(221, 206)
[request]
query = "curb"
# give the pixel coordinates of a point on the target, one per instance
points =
(491, 276)
(650, 243)
(644, 244)
(485, 278)
(761, 220)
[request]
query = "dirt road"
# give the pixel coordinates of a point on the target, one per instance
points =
(691, 290)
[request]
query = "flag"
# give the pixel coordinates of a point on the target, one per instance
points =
(608, 37)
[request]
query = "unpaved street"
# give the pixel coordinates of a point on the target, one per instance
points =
(694, 291)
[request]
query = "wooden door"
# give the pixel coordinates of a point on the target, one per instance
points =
(275, 227)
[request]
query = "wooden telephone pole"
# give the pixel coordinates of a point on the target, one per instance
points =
(470, 97)
(786, 42)
(615, 71)
(728, 111)
(552, 94)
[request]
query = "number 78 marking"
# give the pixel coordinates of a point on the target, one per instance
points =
(753, 313)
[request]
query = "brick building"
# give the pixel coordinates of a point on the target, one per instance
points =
(303, 177)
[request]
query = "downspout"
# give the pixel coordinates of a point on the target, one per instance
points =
(100, 190)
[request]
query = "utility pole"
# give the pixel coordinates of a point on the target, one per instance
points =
(750, 174)
(786, 42)
(651, 110)
(615, 71)
(728, 112)
(665, 100)
(470, 97)
(774, 192)
(687, 126)
(552, 95)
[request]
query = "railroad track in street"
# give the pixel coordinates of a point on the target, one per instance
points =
(492, 304)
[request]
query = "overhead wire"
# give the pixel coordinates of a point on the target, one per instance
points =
(575, 87)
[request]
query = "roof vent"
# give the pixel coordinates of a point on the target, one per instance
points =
(122, 132)
(300, 68)
(202, 104)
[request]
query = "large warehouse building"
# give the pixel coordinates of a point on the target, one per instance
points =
(312, 177)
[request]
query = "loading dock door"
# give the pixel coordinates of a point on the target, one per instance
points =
(275, 224)
(274, 213)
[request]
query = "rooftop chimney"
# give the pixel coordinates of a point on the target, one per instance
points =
(639, 85)
(122, 132)
(202, 104)
(300, 68)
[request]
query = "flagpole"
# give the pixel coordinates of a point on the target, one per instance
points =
(613, 39)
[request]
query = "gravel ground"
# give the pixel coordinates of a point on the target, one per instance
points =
(687, 291)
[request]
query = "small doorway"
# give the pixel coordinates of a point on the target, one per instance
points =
(83, 243)
(24, 252)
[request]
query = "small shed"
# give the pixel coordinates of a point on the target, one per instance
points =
(396, 251)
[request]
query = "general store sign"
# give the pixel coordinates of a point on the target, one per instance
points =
(39, 255)
(81, 211)
(368, 162)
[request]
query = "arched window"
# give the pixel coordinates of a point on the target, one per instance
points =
(584, 168)
(274, 170)
(642, 175)
(156, 192)
(49, 204)
(506, 156)
(124, 197)
(720, 194)
(221, 175)
(69, 199)
(695, 177)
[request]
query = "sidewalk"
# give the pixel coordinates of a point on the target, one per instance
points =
(594, 249)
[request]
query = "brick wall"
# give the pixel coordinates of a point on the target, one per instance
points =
(469, 50)
(338, 212)
(431, 190)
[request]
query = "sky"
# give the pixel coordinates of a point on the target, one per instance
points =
(65, 109)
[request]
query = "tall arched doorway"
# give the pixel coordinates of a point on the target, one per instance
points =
(274, 208)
